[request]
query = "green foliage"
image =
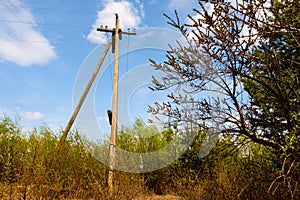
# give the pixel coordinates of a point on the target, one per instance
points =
(140, 138)
(239, 172)
(33, 169)
(10, 151)
(251, 52)
(257, 157)
(30, 166)
(183, 172)
(274, 85)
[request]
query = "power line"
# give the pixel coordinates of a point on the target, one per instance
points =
(45, 24)
(25, 41)
(46, 8)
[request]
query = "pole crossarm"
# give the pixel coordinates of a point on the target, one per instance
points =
(113, 114)
(113, 31)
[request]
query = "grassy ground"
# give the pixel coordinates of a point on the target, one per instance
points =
(159, 197)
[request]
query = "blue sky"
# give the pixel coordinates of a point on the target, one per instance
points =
(43, 45)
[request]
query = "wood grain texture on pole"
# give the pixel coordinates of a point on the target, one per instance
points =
(114, 125)
(85, 93)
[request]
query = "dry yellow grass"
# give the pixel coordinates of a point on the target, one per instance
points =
(159, 197)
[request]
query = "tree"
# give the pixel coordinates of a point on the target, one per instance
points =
(275, 87)
(241, 50)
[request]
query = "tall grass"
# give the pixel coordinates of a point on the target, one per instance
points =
(30, 168)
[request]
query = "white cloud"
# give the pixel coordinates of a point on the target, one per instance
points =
(16, 39)
(128, 13)
(141, 7)
(100, 118)
(32, 115)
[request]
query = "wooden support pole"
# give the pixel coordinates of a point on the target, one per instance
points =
(116, 36)
(114, 125)
(85, 93)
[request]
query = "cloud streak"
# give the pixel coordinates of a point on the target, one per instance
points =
(130, 17)
(32, 115)
(22, 43)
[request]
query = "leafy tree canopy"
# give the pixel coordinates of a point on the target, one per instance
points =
(247, 51)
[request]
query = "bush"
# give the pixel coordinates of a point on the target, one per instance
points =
(32, 168)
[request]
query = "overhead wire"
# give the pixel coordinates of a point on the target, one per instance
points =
(41, 23)
(44, 24)
(67, 26)
(26, 41)
(47, 8)
(127, 68)
(110, 67)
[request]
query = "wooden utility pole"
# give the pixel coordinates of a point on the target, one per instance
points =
(85, 93)
(116, 36)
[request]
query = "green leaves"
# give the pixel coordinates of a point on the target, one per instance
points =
(274, 87)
